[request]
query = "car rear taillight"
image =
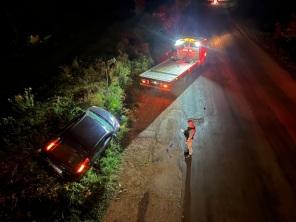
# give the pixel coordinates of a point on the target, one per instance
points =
(53, 144)
(83, 165)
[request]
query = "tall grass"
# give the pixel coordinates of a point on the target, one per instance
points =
(27, 190)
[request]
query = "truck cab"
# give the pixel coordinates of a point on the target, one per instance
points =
(190, 50)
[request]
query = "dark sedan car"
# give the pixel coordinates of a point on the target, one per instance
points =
(74, 150)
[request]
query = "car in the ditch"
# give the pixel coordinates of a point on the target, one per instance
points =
(82, 142)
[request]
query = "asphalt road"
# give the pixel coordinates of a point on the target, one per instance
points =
(243, 166)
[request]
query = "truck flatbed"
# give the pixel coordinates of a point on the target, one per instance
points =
(168, 70)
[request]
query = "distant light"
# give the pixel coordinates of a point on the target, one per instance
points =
(215, 2)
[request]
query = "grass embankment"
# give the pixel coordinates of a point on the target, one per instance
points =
(28, 192)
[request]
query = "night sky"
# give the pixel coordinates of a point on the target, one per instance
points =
(20, 19)
(58, 17)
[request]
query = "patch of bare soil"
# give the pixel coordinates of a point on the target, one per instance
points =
(151, 183)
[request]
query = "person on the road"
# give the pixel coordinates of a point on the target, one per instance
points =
(190, 135)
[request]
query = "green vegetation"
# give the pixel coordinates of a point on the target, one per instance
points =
(28, 192)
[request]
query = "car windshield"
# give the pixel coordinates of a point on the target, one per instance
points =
(106, 125)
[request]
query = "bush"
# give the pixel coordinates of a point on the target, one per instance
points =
(22, 103)
(140, 65)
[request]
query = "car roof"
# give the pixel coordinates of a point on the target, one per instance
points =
(88, 131)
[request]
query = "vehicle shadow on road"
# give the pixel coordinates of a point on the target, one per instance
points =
(187, 196)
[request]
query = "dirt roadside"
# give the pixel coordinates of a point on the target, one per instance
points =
(152, 173)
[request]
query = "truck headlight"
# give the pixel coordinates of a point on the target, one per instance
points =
(197, 44)
(179, 42)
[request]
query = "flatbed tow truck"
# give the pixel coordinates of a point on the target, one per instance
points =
(187, 54)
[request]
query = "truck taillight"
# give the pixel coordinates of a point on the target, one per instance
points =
(53, 144)
(144, 81)
(164, 86)
(83, 165)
